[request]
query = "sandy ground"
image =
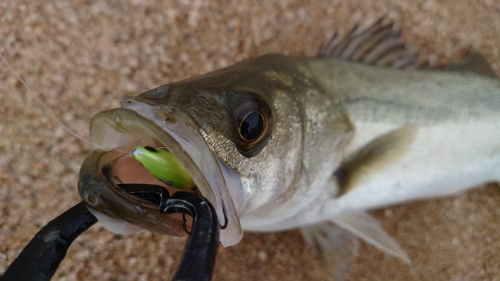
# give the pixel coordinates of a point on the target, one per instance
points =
(80, 57)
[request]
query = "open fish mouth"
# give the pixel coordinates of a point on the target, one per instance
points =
(114, 134)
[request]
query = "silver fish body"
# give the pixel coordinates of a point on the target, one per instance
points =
(445, 137)
(333, 138)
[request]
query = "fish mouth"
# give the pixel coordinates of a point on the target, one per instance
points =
(114, 134)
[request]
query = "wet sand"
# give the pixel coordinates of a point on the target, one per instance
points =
(82, 57)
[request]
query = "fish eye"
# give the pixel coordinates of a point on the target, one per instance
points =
(252, 126)
(253, 120)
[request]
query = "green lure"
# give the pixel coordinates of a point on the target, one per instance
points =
(164, 166)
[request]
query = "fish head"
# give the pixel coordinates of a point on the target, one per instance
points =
(236, 131)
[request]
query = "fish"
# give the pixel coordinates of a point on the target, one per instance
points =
(279, 142)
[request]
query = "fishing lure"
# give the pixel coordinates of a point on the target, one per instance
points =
(164, 166)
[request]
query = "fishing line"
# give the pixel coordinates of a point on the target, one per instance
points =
(49, 112)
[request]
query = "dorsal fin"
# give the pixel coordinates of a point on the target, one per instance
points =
(475, 63)
(379, 45)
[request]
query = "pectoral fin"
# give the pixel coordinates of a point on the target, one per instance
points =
(374, 157)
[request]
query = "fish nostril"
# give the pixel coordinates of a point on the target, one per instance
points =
(168, 117)
(127, 100)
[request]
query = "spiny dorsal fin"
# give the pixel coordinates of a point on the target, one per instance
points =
(475, 63)
(379, 45)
